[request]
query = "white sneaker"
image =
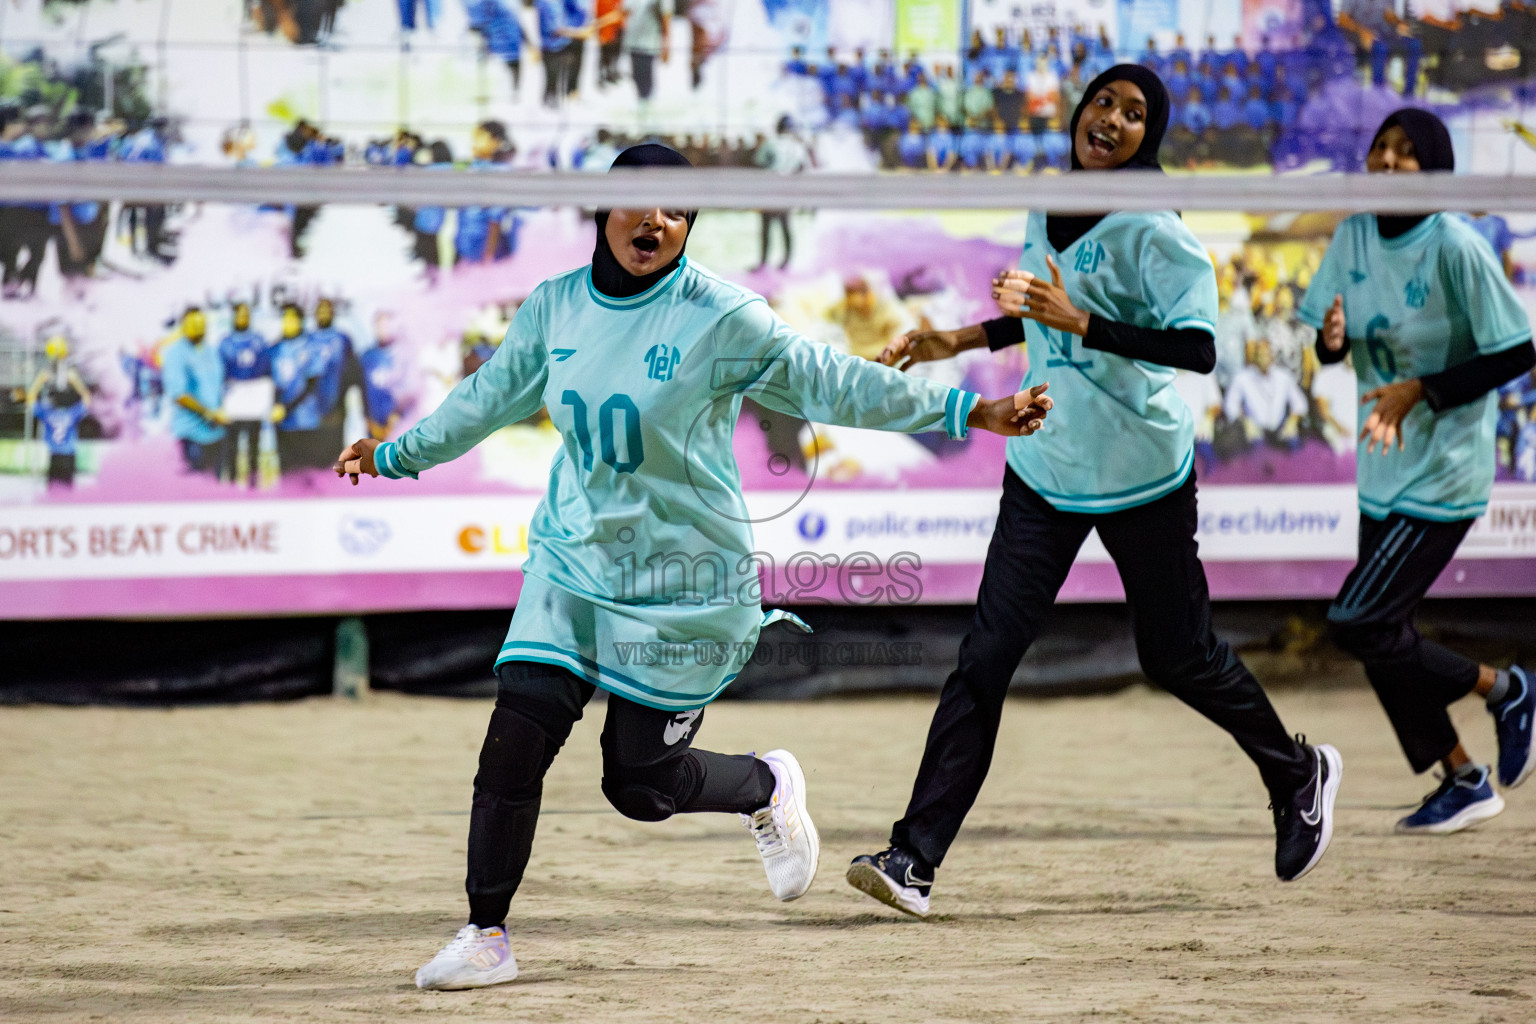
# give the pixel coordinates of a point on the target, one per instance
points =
(476, 957)
(785, 836)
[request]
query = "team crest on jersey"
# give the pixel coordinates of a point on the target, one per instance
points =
(1089, 256)
(662, 362)
(1417, 293)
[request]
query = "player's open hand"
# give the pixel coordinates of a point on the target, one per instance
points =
(919, 347)
(1018, 415)
(1333, 325)
(1385, 424)
(356, 459)
(1018, 293)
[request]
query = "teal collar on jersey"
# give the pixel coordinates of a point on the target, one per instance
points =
(655, 291)
(1412, 236)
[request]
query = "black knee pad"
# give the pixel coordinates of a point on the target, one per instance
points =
(512, 759)
(653, 793)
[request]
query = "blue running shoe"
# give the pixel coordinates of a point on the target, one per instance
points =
(1513, 721)
(1461, 802)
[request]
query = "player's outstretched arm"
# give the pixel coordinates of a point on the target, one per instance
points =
(507, 388)
(356, 459)
(931, 346)
(796, 376)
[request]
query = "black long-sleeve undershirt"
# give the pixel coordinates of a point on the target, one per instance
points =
(1464, 382)
(1184, 348)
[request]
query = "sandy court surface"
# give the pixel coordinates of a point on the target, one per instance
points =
(297, 862)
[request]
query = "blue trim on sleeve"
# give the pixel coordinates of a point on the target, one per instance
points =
(1191, 321)
(386, 459)
(957, 409)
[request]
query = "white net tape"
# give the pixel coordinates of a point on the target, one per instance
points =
(717, 188)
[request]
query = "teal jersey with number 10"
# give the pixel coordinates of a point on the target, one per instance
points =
(640, 575)
(1119, 435)
(1416, 304)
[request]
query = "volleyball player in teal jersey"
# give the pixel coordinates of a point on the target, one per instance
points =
(640, 577)
(1109, 305)
(1435, 329)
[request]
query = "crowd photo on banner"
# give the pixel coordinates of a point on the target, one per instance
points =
(190, 350)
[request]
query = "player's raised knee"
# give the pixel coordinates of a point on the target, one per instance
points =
(636, 799)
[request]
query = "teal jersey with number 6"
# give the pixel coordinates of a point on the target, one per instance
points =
(1417, 304)
(640, 576)
(1119, 435)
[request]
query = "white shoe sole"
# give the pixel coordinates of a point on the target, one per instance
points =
(481, 979)
(873, 882)
(1469, 816)
(1335, 763)
(1525, 773)
(797, 781)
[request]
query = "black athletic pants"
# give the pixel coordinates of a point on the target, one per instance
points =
(1032, 549)
(1372, 618)
(650, 772)
(770, 218)
(608, 55)
(642, 67)
(251, 431)
(23, 229)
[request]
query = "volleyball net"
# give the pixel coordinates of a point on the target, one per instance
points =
(737, 189)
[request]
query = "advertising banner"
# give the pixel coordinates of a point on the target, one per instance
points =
(115, 499)
(297, 328)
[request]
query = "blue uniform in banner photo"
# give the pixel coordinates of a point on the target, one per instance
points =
(196, 370)
(1120, 435)
(499, 26)
(60, 425)
(246, 355)
(475, 223)
(643, 536)
(328, 351)
(381, 378)
(1414, 305)
(293, 367)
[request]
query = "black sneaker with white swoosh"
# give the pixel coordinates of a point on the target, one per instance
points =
(1304, 823)
(894, 877)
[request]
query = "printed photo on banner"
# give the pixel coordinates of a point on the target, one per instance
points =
(199, 353)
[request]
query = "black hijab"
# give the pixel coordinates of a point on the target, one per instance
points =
(1062, 228)
(608, 275)
(1431, 145)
